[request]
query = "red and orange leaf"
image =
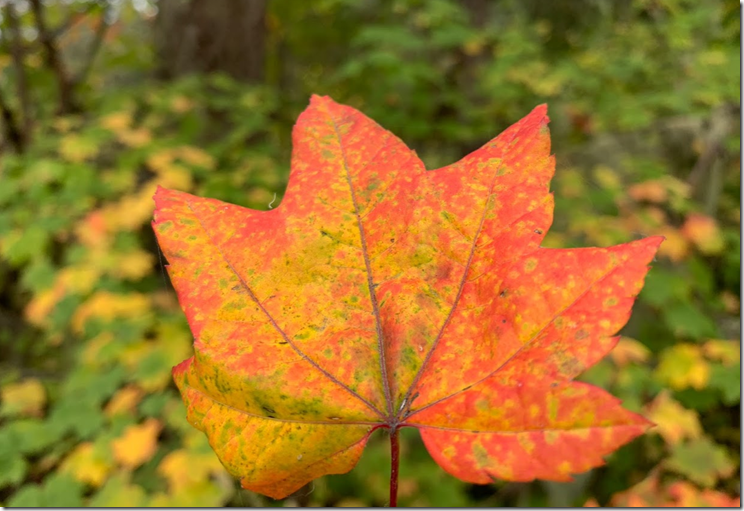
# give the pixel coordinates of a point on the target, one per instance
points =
(380, 294)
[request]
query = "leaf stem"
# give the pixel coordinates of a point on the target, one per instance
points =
(394, 463)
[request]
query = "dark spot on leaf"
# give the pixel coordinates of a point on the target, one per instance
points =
(503, 293)
(538, 231)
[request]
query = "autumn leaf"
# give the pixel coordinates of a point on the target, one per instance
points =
(674, 422)
(26, 398)
(704, 232)
(651, 493)
(382, 295)
(86, 465)
(702, 461)
(137, 444)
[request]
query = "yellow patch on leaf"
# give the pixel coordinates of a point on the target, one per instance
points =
(26, 398)
(138, 444)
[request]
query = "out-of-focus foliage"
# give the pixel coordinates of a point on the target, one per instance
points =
(644, 110)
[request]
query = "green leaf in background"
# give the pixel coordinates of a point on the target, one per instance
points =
(703, 461)
(57, 490)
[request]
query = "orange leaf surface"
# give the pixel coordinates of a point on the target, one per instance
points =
(382, 295)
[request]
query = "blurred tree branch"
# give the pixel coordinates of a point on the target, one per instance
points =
(95, 46)
(17, 54)
(65, 84)
(12, 132)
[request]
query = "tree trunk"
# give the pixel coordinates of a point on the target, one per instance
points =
(204, 36)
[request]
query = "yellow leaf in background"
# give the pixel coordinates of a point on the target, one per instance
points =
(606, 177)
(161, 160)
(138, 137)
(117, 122)
(728, 352)
(184, 468)
(71, 280)
(85, 465)
(629, 350)
(675, 247)
(134, 264)
(138, 444)
(38, 309)
(26, 398)
(197, 157)
(125, 401)
(107, 306)
(181, 104)
(77, 149)
(673, 422)
(703, 231)
(178, 176)
(78, 279)
(132, 211)
(683, 366)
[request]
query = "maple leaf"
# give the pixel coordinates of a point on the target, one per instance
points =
(382, 295)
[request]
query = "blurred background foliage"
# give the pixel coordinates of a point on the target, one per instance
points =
(101, 101)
